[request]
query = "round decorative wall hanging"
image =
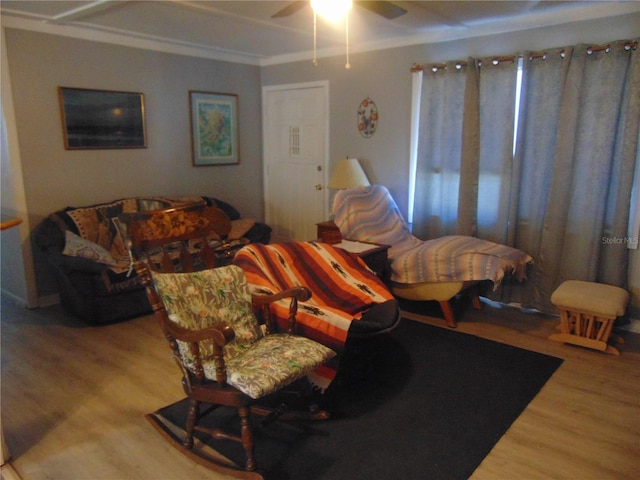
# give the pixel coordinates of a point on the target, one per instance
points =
(367, 117)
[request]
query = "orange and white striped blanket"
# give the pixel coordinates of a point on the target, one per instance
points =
(343, 287)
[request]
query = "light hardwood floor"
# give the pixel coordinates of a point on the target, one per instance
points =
(74, 399)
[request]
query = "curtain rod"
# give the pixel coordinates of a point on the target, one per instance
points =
(510, 58)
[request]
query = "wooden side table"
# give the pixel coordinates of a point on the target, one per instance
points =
(375, 256)
(376, 259)
(327, 230)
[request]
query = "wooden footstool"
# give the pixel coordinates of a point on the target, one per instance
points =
(587, 313)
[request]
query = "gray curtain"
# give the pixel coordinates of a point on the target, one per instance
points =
(588, 192)
(564, 196)
(463, 179)
(439, 152)
(542, 84)
(496, 168)
(467, 221)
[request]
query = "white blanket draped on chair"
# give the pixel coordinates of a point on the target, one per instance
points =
(370, 214)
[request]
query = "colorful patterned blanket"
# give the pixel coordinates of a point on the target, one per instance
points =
(343, 287)
(370, 214)
(343, 290)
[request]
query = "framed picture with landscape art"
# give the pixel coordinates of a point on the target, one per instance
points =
(214, 128)
(97, 119)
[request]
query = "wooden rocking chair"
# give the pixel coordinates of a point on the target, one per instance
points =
(227, 359)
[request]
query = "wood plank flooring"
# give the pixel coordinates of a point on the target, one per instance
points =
(74, 399)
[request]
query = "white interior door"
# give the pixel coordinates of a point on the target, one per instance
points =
(295, 122)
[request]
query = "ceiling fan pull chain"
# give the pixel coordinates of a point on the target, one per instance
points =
(348, 65)
(315, 36)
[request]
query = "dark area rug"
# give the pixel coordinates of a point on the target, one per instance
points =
(420, 403)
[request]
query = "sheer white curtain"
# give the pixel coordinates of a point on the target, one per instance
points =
(564, 196)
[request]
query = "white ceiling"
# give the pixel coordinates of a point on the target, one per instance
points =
(244, 31)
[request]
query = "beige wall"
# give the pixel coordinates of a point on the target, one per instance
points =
(55, 178)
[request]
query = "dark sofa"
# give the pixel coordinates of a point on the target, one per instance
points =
(86, 251)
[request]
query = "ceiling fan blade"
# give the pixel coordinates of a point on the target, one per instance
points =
(386, 9)
(290, 9)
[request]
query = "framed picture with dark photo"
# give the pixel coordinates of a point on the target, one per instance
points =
(102, 119)
(214, 128)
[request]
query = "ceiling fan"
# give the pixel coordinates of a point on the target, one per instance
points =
(386, 9)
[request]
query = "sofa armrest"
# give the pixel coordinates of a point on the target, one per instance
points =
(49, 236)
(259, 233)
(227, 208)
(67, 263)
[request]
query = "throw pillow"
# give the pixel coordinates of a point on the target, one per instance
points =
(76, 246)
(94, 223)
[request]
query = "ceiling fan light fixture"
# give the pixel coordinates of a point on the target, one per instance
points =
(332, 10)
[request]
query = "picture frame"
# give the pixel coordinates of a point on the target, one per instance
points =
(214, 128)
(102, 119)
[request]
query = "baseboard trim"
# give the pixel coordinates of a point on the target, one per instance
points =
(41, 302)
(14, 298)
(48, 300)
(9, 473)
(632, 326)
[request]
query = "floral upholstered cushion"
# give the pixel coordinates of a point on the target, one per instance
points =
(274, 362)
(207, 298)
(256, 365)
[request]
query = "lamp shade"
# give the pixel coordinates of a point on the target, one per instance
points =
(348, 174)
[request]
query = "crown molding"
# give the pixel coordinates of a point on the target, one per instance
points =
(162, 44)
(129, 39)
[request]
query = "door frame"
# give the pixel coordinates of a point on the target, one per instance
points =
(324, 84)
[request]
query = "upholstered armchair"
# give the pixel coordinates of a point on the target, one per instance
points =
(349, 300)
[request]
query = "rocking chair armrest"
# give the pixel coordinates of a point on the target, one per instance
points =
(299, 293)
(221, 334)
(295, 294)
